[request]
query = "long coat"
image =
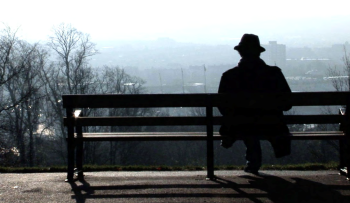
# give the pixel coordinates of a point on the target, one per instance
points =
(253, 76)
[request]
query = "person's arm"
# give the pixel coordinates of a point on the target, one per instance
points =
(284, 88)
(222, 89)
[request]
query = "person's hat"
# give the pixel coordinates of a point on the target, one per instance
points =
(249, 42)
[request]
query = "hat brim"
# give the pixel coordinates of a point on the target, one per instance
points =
(260, 49)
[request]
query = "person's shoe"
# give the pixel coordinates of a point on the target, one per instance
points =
(251, 170)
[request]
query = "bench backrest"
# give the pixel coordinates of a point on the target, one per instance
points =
(260, 100)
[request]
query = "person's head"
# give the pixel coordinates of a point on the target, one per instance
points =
(249, 46)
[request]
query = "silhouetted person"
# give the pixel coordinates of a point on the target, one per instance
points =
(252, 75)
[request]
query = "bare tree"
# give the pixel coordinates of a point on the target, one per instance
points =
(69, 74)
(340, 77)
(73, 49)
(12, 64)
(20, 62)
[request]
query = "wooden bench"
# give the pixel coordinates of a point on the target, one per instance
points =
(75, 123)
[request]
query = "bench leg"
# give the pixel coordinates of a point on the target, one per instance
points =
(341, 157)
(347, 158)
(70, 155)
(70, 145)
(210, 160)
(210, 144)
(79, 159)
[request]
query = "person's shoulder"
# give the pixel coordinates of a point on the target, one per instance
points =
(231, 71)
(273, 68)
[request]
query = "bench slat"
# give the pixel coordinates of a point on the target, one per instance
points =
(135, 100)
(168, 136)
(137, 121)
(314, 119)
(289, 119)
(185, 121)
(202, 100)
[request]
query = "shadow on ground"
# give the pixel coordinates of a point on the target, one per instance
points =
(244, 188)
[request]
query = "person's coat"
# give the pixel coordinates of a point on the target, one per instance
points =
(254, 76)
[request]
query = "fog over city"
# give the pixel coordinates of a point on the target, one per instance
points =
(171, 43)
(154, 34)
(296, 23)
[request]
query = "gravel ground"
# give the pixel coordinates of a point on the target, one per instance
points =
(181, 186)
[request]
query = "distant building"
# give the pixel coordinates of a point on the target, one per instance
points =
(341, 47)
(275, 54)
(337, 51)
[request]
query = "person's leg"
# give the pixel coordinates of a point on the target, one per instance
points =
(253, 154)
(227, 141)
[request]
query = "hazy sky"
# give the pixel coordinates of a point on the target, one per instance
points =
(183, 20)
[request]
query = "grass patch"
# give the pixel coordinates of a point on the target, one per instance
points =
(32, 169)
(301, 167)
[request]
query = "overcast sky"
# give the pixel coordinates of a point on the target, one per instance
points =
(182, 20)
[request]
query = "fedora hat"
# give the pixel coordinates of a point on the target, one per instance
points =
(249, 42)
